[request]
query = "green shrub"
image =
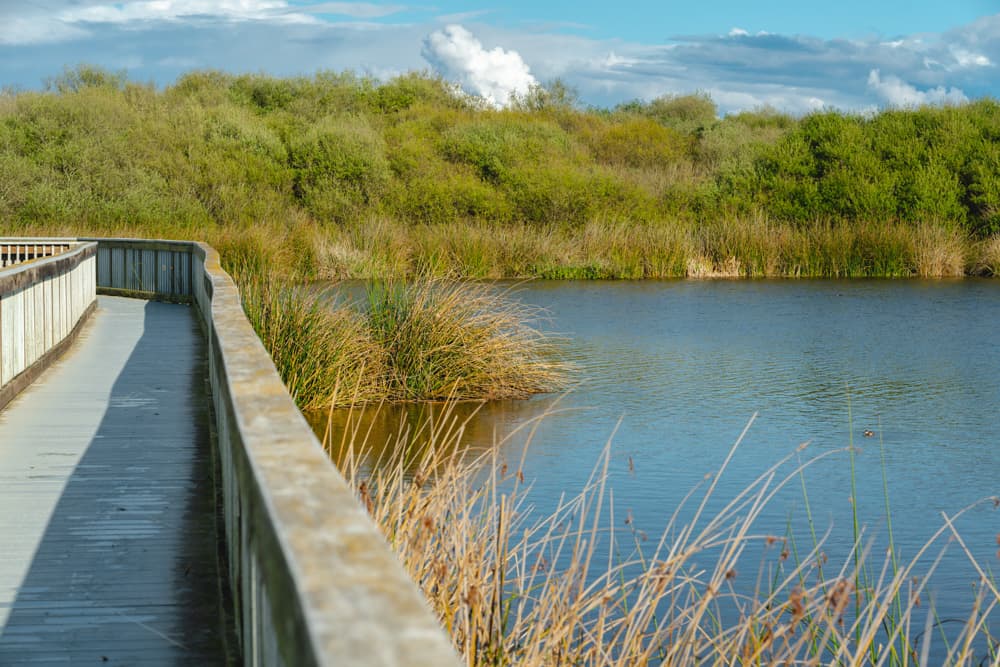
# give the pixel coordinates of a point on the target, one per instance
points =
(686, 113)
(494, 146)
(219, 154)
(338, 162)
(635, 142)
(980, 178)
(75, 79)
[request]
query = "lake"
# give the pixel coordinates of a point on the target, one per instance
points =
(676, 369)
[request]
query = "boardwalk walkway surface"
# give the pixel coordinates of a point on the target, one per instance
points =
(108, 542)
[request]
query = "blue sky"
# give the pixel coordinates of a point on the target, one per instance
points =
(651, 21)
(795, 56)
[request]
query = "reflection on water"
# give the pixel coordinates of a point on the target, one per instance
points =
(684, 365)
(383, 431)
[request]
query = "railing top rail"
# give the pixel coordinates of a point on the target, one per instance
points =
(16, 276)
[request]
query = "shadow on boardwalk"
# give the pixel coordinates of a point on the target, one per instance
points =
(127, 570)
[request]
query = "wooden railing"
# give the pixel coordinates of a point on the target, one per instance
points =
(46, 293)
(18, 253)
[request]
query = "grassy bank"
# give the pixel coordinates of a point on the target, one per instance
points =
(514, 587)
(341, 176)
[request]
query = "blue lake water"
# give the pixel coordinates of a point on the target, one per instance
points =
(676, 369)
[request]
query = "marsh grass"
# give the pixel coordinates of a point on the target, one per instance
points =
(445, 339)
(988, 257)
(614, 247)
(415, 341)
(513, 586)
(311, 341)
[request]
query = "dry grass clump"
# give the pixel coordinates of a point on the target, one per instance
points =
(425, 340)
(939, 252)
(311, 342)
(988, 262)
(516, 588)
(614, 247)
(445, 339)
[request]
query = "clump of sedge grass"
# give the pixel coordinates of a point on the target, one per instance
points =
(311, 342)
(988, 263)
(513, 587)
(445, 339)
(426, 340)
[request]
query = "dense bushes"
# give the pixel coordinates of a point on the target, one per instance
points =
(336, 152)
(936, 164)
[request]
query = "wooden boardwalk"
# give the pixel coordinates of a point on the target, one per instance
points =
(108, 515)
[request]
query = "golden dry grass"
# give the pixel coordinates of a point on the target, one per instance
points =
(416, 341)
(988, 257)
(515, 588)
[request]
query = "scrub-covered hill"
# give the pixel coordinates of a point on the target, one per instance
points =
(338, 175)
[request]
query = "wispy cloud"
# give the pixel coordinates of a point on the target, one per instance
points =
(796, 73)
(463, 17)
(358, 10)
(16, 30)
(67, 20)
(966, 58)
(172, 10)
(898, 93)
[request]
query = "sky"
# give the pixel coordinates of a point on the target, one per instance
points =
(793, 55)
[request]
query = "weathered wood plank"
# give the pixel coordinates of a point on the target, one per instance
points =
(107, 502)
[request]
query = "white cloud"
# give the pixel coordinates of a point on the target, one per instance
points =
(495, 75)
(27, 25)
(966, 58)
(614, 60)
(358, 10)
(898, 93)
(739, 100)
(738, 32)
(17, 31)
(171, 10)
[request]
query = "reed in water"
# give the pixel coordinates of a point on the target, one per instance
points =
(513, 586)
(415, 341)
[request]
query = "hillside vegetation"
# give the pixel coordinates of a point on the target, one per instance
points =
(342, 176)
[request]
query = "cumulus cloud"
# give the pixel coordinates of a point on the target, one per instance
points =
(496, 75)
(898, 93)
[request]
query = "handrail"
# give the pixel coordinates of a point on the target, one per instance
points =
(18, 253)
(47, 291)
(313, 581)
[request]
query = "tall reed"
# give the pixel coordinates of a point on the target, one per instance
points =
(312, 342)
(512, 586)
